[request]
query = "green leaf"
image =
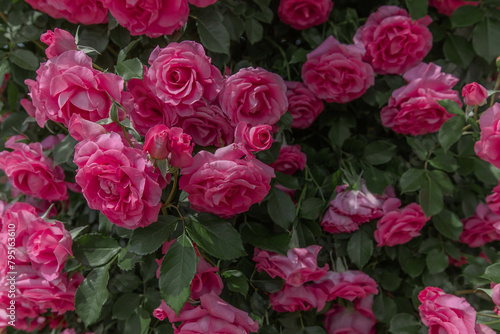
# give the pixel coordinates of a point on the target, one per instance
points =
(450, 132)
(95, 250)
(360, 248)
(437, 261)
(448, 224)
(442, 180)
(465, 16)
(492, 273)
(431, 198)
(281, 208)
(404, 323)
(458, 50)
(125, 305)
(234, 26)
(485, 39)
(91, 295)
(287, 181)
(138, 322)
(384, 307)
(236, 281)
(24, 59)
(379, 152)
(213, 34)
(311, 208)
(448, 163)
(417, 8)
(339, 133)
(130, 68)
(260, 236)
(127, 260)
(216, 236)
(411, 264)
(177, 271)
(412, 180)
(146, 240)
(254, 30)
(299, 56)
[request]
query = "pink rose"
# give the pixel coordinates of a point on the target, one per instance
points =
(303, 14)
(336, 72)
(495, 294)
(394, 43)
(205, 281)
(172, 144)
(299, 266)
(483, 329)
(481, 228)
(150, 18)
(75, 11)
(474, 94)
(442, 312)
(294, 298)
(253, 138)
(290, 160)
(67, 85)
(400, 226)
(493, 200)
(413, 109)
(487, 147)
(202, 3)
(49, 142)
(225, 184)
(340, 319)
(254, 96)
(182, 74)
(31, 172)
(118, 180)
(350, 285)
(447, 7)
(58, 41)
(303, 105)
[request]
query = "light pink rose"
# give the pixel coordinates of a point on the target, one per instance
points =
(202, 3)
(181, 74)
(394, 43)
(413, 109)
(253, 138)
(447, 7)
(481, 228)
(303, 14)
(118, 180)
(31, 172)
(75, 11)
(49, 142)
(336, 72)
(254, 96)
(294, 298)
(474, 94)
(495, 294)
(303, 105)
(400, 226)
(350, 285)
(58, 41)
(172, 144)
(487, 148)
(483, 329)
(445, 313)
(339, 320)
(225, 184)
(67, 85)
(206, 280)
(150, 18)
(299, 266)
(290, 160)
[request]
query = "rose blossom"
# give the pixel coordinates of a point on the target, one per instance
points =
(474, 94)
(253, 138)
(290, 160)
(31, 172)
(442, 312)
(447, 7)
(294, 298)
(487, 148)
(303, 14)
(254, 96)
(299, 266)
(202, 3)
(340, 319)
(350, 285)
(58, 41)
(483, 329)
(336, 72)
(118, 180)
(413, 109)
(481, 228)
(225, 184)
(400, 226)
(303, 105)
(206, 280)
(75, 11)
(172, 144)
(493, 200)
(394, 43)
(67, 85)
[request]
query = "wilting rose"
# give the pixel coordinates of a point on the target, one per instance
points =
(303, 105)
(474, 94)
(75, 11)
(303, 14)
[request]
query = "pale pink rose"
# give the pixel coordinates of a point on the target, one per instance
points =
(303, 14)
(474, 94)
(487, 148)
(75, 11)
(202, 3)
(58, 41)
(299, 266)
(400, 226)
(206, 280)
(339, 320)
(445, 313)
(172, 144)
(290, 160)
(80, 128)
(481, 228)
(303, 105)
(118, 180)
(253, 138)
(181, 74)
(336, 72)
(150, 18)
(495, 294)
(394, 43)
(294, 298)
(447, 7)
(413, 109)
(483, 329)
(254, 96)
(350, 285)
(67, 85)
(225, 184)
(31, 172)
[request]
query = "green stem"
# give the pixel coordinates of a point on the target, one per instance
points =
(497, 83)
(283, 54)
(172, 191)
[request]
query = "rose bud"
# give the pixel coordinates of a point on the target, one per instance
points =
(474, 94)
(172, 144)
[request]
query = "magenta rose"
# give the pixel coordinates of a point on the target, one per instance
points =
(118, 180)
(303, 105)
(225, 183)
(294, 298)
(254, 96)
(481, 228)
(172, 144)
(303, 14)
(413, 109)
(299, 266)
(202, 3)
(31, 172)
(290, 160)
(350, 285)
(75, 11)
(400, 226)
(181, 74)
(58, 42)
(474, 94)
(487, 148)
(445, 313)
(253, 138)
(340, 319)
(447, 7)
(336, 72)
(67, 85)
(394, 43)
